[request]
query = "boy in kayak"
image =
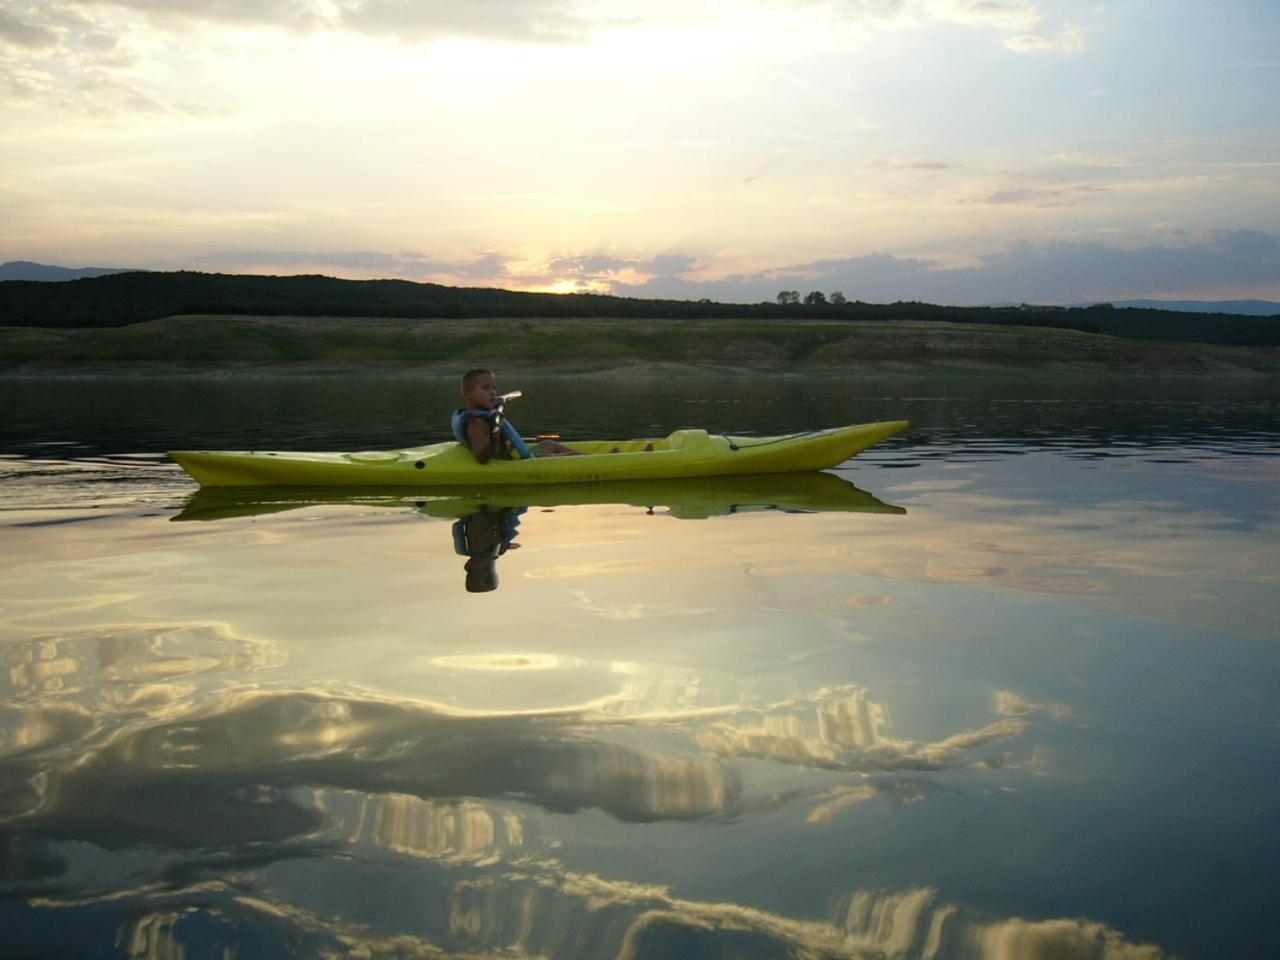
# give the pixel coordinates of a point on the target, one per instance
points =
(483, 428)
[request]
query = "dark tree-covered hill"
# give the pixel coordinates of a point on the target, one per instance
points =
(127, 298)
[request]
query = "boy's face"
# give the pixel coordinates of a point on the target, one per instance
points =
(483, 392)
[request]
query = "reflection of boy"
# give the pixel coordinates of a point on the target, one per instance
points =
(482, 538)
(484, 430)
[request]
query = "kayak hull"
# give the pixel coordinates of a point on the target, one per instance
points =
(683, 454)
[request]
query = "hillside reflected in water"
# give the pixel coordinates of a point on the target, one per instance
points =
(971, 696)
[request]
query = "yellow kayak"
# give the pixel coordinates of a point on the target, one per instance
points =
(690, 499)
(685, 453)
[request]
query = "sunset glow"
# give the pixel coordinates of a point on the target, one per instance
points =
(935, 149)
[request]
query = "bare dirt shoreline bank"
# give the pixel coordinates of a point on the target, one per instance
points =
(229, 346)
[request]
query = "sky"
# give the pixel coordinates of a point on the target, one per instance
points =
(954, 151)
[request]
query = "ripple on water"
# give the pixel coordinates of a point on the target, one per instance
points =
(116, 480)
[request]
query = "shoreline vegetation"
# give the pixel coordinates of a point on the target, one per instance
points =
(185, 345)
(184, 323)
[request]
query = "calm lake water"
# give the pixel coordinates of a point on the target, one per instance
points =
(1005, 686)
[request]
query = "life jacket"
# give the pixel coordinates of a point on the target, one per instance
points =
(503, 436)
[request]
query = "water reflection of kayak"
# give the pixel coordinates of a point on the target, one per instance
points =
(688, 499)
(685, 453)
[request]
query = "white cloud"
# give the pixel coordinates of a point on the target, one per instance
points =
(1001, 14)
(523, 20)
(598, 272)
(1046, 191)
(70, 54)
(1070, 41)
(293, 14)
(537, 20)
(896, 165)
(491, 267)
(21, 33)
(52, 55)
(102, 57)
(423, 19)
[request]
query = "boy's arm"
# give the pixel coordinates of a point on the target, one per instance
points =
(478, 435)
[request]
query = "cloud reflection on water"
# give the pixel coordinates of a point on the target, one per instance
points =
(221, 790)
(264, 789)
(845, 732)
(254, 768)
(547, 911)
(247, 741)
(446, 831)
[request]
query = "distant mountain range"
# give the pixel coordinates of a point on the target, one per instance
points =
(27, 270)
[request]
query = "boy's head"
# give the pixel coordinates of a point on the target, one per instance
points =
(480, 389)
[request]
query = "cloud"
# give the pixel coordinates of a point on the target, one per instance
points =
(424, 19)
(1045, 193)
(1057, 272)
(540, 20)
(52, 55)
(486, 267)
(1233, 262)
(44, 27)
(1019, 17)
(490, 267)
(587, 272)
(594, 271)
(1070, 41)
(671, 264)
(554, 21)
(66, 53)
(893, 165)
(663, 265)
(50, 50)
(19, 33)
(292, 14)
(1001, 14)
(1005, 15)
(598, 264)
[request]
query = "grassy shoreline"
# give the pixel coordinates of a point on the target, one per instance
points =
(231, 345)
